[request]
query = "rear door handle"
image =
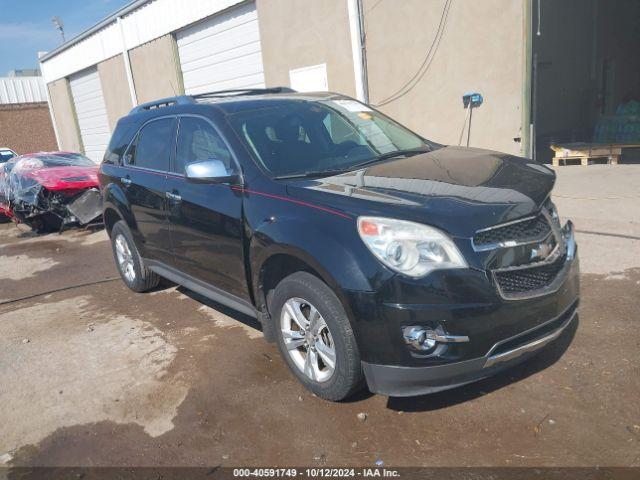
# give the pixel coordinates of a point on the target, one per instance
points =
(173, 197)
(126, 181)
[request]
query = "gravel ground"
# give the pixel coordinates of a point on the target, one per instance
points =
(99, 375)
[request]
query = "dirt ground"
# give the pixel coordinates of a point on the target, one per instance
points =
(99, 375)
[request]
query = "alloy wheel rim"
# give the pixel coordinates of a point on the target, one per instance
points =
(308, 339)
(125, 258)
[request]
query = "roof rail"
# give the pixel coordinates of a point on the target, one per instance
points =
(244, 91)
(163, 102)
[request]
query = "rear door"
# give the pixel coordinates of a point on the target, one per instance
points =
(147, 163)
(206, 219)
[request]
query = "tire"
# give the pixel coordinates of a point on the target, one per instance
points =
(308, 294)
(134, 274)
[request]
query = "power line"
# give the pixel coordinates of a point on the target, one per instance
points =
(56, 290)
(375, 5)
(426, 63)
(424, 67)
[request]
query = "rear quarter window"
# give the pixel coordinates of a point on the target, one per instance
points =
(120, 140)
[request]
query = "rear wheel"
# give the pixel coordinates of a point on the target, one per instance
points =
(315, 337)
(134, 274)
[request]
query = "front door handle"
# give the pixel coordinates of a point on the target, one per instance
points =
(174, 197)
(126, 181)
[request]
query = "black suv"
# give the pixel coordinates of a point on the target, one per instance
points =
(368, 253)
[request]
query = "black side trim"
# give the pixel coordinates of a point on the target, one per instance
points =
(204, 289)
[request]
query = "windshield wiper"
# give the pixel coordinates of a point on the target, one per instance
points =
(312, 174)
(379, 158)
(389, 155)
(397, 153)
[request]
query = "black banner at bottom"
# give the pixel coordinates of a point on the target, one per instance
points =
(304, 473)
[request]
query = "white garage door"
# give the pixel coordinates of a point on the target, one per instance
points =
(92, 113)
(222, 52)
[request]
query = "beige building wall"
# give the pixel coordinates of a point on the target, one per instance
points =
(64, 114)
(115, 89)
(156, 69)
(297, 34)
(481, 50)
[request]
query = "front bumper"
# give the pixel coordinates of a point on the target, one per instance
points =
(400, 381)
(459, 303)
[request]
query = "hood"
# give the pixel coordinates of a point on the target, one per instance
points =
(457, 189)
(65, 178)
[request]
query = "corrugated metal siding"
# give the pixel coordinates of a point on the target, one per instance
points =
(22, 90)
(152, 20)
(104, 44)
(222, 52)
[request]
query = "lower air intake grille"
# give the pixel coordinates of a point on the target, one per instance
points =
(529, 280)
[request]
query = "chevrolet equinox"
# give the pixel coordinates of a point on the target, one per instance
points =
(371, 255)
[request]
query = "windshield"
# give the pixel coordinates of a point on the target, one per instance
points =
(48, 160)
(300, 137)
(6, 155)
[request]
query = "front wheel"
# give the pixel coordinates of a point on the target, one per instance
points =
(134, 274)
(315, 337)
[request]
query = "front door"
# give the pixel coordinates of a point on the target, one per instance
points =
(206, 219)
(147, 163)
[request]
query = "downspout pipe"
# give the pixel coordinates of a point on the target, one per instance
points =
(127, 64)
(358, 49)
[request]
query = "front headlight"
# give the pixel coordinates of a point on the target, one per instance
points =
(410, 248)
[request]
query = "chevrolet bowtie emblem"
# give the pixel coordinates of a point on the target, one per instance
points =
(542, 250)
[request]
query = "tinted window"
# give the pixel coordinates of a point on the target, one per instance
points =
(299, 137)
(119, 141)
(152, 148)
(198, 141)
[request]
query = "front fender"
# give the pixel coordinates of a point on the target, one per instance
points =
(334, 251)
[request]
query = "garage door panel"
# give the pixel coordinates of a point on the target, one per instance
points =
(227, 69)
(222, 52)
(211, 57)
(228, 82)
(91, 112)
(219, 24)
(253, 81)
(218, 41)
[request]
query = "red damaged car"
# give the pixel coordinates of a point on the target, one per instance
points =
(50, 190)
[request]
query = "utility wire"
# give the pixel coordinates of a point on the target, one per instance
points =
(426, 63)
(464, 124)
(56, 290)
(375, 5)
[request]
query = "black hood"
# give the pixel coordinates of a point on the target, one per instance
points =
(459, 190)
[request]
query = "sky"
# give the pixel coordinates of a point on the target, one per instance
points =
(26, 27)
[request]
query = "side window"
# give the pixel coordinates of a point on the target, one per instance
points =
(118, 143)
(152, 147)
(198, 141)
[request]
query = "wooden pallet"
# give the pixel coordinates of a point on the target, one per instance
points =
(583, 152)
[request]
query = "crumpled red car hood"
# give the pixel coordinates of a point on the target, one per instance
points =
(65, 178)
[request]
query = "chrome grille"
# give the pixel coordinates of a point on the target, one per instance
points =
(541, 239)
(518, 232)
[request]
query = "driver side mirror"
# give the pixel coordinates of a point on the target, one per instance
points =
(210, 171)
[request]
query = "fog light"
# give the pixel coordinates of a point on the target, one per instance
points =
(423, 338)
(419, 338)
